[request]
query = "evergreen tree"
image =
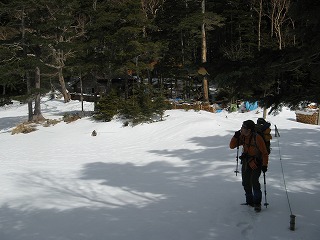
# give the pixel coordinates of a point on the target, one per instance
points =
(146, 104)
(107, 107)
(21, 51)
(140, 39)
(59, 26)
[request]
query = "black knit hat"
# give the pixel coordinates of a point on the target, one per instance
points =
(261, 121)
(249, 124)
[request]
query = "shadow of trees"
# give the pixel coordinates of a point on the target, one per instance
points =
(165, 199)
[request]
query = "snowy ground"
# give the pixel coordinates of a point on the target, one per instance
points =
(171, 180)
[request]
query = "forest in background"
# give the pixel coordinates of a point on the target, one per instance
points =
(261, 50)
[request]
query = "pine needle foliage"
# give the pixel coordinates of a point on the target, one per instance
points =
(145, 105)
(108, 107)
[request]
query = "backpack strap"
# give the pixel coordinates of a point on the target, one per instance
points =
(254, 137)
(258, 152)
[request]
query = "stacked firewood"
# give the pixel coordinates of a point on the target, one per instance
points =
(196, 106)
(307, 117)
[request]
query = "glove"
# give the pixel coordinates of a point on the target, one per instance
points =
(237, 134)
(264, 169)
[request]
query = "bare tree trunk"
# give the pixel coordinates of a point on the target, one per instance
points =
(64, 90)
(26, 75)
(37, 116)
(30, 109)
(278, 17)
(204, 54)
(259, 25)
(203, 37)
(182, 47)
(94, 5)
(259, 11)
(272, 18)
(150, 9)
(294, 36)
(59, 58)
(81, 90)
(264, 113)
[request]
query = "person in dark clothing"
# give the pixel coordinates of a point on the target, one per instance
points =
(254, 159)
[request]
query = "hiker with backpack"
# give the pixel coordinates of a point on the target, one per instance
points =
(254, 159)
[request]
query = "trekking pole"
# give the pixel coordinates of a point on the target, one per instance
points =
(265, 190)
(237, 159)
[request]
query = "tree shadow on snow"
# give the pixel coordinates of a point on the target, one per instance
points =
(8, 122)
(168, 200)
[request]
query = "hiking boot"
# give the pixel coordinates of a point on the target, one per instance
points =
(257, 207)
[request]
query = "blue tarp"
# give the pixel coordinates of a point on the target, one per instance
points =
(251, 106)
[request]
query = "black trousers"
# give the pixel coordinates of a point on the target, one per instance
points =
(251, 184)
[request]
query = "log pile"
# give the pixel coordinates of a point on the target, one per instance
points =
(307, 117)
(196, 107)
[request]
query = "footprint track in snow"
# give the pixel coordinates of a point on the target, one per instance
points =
(246, 229)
